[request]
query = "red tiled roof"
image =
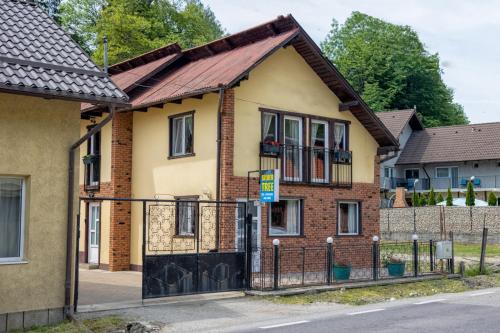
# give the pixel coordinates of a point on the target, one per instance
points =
(453, 144)
(395, 121)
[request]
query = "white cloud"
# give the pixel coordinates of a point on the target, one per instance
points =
(464, 33)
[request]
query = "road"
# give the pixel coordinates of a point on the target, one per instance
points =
(472, 311)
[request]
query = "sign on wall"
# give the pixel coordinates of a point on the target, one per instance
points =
(444, 250)
(269, 185)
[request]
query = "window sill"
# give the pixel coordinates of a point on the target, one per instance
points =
(16, 262)
(349, 235)
(286, 236)
(173, 157)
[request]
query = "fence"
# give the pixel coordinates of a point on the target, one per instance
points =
(280, 267)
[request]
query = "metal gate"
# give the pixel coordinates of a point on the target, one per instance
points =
(192, 246)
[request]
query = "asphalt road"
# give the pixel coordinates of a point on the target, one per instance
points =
(477, 311)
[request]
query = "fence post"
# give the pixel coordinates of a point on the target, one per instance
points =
(329, 259)
(483, 250)
(414, 237)
(452, 260)
(276, 244)
(431, 254)
(248, 249)
(375, 254)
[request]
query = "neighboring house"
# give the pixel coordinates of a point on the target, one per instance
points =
(442, 157)
(275, 102)
(44, 78)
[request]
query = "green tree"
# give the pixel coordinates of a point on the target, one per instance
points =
(432, 198)
(391, 68)
(423, 200)
(51, 7)
(440, 198)
(415, 200)
(470, 196)
(449, 198)
(492, 199)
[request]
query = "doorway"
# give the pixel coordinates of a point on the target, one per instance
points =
(253, 208)
(93, 233)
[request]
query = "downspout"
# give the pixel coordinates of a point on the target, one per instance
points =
(71, 185)
(219, 154)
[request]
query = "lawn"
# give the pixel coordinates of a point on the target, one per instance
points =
(376, 294)
(474, 250)
(98, 325)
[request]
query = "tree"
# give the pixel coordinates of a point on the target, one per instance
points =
(470, 196)
(391, 69)
(138, 26)
(51, 7)
(423, 200)
(415, 200)
(440, 198)
(449, 198)
(432, 198)
(492, 199)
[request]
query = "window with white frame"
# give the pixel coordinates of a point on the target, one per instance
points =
(285, 218)
(348, 218)
(181, 135)
(269, 127)
(339, 134)
(11, 218)
(388, 172)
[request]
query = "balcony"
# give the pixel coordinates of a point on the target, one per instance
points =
(308, 165)
(92, 165)
(425, 184)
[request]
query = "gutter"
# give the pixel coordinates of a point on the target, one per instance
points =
(71, 185)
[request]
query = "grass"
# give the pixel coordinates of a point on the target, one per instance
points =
(376, 294)
(98, 325)
(474, 250)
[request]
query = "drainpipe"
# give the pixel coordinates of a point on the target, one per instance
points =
(219, 143)
(71, 185)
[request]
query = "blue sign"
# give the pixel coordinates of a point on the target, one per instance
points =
(269, 185)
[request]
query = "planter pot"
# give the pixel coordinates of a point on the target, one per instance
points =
(341, 272)
(396, 269)
(268, 149)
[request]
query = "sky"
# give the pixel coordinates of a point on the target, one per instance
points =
(465, 33)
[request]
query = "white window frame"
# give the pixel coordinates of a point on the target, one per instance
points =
(391, 172)
(298, 147)
(343, 136)
(22, 231)
(276, 135)
(326, 179)
(92, 182)
(449, 171)
(183, 137)
(358, 213)
(299, 211)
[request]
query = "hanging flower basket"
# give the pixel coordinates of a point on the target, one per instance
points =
(271, 148)
(90, 159)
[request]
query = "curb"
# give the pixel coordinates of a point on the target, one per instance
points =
(353, 285)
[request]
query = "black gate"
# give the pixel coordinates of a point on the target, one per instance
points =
(194, 247)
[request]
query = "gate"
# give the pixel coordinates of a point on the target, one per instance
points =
(192, 246)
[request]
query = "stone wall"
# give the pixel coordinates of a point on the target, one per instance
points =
(435, 222)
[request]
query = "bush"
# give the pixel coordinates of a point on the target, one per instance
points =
(432, 198)
(470, 196)
(492, 199)
(449, 198)
(440, 198)
(423, 200)
(415, 201)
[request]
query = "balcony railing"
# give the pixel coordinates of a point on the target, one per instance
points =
(425, 184)
(309, 165)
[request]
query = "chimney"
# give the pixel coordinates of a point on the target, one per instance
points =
(105, 45)
(399, 201)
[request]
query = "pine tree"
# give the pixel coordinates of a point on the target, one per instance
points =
(449, 198)
(415, 200)
(432, 198)
(423, 200)
(470, 196)
(440, 198)
(492, 199)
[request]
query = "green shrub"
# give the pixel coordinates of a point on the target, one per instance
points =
(415, 200)
(449, 198)
(423, 200)
(432, 198)
(470, 196)
(440, 198)
(492, 199)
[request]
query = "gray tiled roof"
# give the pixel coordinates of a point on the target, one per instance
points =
(38, 57)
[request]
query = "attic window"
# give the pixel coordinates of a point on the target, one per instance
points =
(476, 165)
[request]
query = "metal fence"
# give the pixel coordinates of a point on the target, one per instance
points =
(281, 267)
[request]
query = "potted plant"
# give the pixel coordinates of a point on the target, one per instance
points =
(90, 159)
(395, 265)
(341, 271)
(270, 147)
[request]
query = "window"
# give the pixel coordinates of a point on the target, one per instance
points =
(320, 154)
(92, 160)
(388, 172)
(186, 216)
(412, 174)
(181, 135)
(348, 218)
(293, 148)
(442, 172)
(269, 127)
(11, 218)
(285, 218)
(339, 134)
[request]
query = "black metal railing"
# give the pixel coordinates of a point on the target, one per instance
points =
(311, 165)
(281, 267)
(425, 184)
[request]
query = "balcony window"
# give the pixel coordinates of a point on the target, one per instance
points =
(340, 136)
(181, 135)
(285, 218)
(319, 151)
(92, 161)
(292, 149)
(269, 127)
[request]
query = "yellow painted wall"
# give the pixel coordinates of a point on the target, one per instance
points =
(284, 81)
(153, 174)
(35, 135)
(105, 149)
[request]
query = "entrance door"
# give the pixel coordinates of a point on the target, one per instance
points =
(240, 232)
(93, 239)
(293, 149)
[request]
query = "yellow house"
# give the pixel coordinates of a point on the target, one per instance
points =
(41, 91)
(204, 122)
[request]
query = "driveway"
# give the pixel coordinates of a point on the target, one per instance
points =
(101, 287)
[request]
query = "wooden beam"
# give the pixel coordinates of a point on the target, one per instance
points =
(159, 105)
(200, 96)
(347, 105)
(386, 149)
(177, 101)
